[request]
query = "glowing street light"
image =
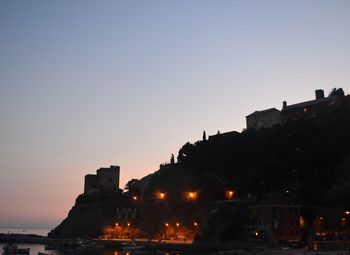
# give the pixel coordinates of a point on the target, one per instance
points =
(177, 224)
(347, 212)
(230, 194)
(192, 195)
(134, 198)
(166, 224)
(195, 224)
(161, 195)
(116, 224)
(128, 224)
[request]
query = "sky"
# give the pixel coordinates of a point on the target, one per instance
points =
(88, 84)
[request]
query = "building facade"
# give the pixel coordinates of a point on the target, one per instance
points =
(308, 109)
(275, 222)
(263, 119)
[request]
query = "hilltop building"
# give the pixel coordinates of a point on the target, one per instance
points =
(308, 109)
(226, 135)
(104, 179)
(263, 119)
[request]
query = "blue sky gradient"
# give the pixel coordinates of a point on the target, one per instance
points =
(86, 84)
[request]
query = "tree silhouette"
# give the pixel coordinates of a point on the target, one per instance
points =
(129, 185)
(337, 92)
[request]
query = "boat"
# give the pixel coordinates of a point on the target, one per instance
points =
(140, 252)
(227, 253)
(133, 247)
(12, 249)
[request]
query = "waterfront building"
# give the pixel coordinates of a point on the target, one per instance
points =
(275, 222)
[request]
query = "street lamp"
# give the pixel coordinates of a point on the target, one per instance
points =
(134, 198)
(160, 195)
(192, 195)
(230, 194)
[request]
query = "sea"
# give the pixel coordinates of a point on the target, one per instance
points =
(35, 248)
(25, 230)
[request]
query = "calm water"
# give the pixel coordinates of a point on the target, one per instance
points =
(35, 248)
(37, 231)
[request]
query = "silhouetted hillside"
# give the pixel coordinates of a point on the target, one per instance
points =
(312, 153)
(309, 157)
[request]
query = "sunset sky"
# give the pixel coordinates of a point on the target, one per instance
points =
(87, 84)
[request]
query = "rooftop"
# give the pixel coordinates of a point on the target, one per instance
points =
(263, 111)
(311, 102)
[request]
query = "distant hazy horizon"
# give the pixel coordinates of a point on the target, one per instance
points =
(43, 231)
(88, 84)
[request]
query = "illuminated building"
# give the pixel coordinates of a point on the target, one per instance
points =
(276, 222)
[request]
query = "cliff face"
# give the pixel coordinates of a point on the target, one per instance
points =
(89, 216)
(86, 220)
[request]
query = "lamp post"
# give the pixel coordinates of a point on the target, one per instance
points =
(230, 194)
(161, 195)
(192, 195)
